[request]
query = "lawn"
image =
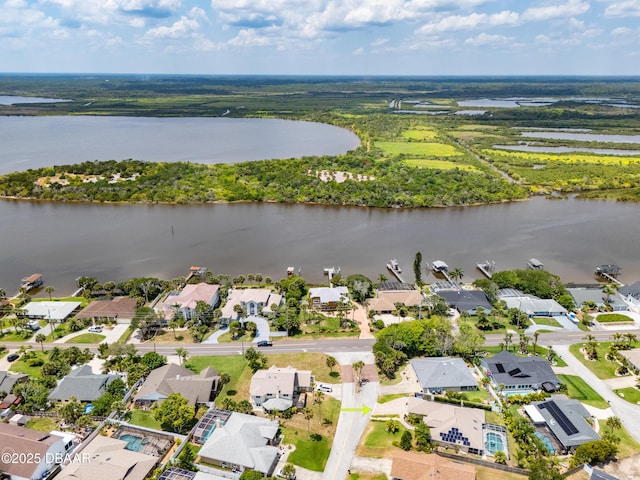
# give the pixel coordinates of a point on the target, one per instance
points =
(540, 352)
(235, 366)
(422, 149)
(630, 394)
(627, 446)
(20, 365)
(613, 318)
(392, 396)
(439, 164)
(9, 335)
(167, 336)
(368, 476)
(552, 322)
(601, 367)
(87, 338)
(378, 443)
(144, 418)
(578, 389)
(486, 473)
(43, 424)
(419, 133)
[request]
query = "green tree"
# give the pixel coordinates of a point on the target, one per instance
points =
(117, 388)
(392, 426)
(182, 354)
(406, 440)
(614, 423)
(357, 369)
(251, 475)
(288, 471)
(594, 452)
(500, 457)
(423, 437)
(41, 338)
(186, 459)
(456, 274)
(308, 415)
(331, 362)
(417, 268)
(153, 360)
(49, 290)
(175, 414)
(34, 393)
(71, 411)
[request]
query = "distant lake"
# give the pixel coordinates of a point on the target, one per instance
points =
(543, 149)
(14, 99)
(583, 137)
(34, 142)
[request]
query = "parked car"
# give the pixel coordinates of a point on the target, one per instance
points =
(325, 388)
(280, 475)
(34, 325)
(12, 357)
(96, 329)
(265, 343)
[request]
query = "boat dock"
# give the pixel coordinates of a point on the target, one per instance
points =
(394, 268)
(535, 264)
(31, 282)
(439, 267)
(331, 271)
(609, 272)
(487, 267)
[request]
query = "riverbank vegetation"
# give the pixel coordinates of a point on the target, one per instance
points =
(409, 156)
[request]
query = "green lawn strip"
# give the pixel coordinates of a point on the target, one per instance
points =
(21, 366)
(540, 352)
(439, 164)
(418, 148)
(602, 368)
(12, 336)
(630, 394)
(627, 446)
(43, 424)
(392, 396)
(613, 318)
(87, 338)
(378, 443)
(144, 418)
(227, 338)
(580, 390)
(235, 366)
(61, 330)
(552, 322)
(308, 453)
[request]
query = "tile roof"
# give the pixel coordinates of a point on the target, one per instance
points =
(172, 378)
(442, 373)
(118, 307)
(24, 440)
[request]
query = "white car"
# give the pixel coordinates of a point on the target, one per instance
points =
(96, 329)
(325, 388)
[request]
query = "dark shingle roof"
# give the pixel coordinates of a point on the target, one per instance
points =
(509, 369)
(567, 420)
(465, 300)
(633, 290)
(83, 384)
(443, 372)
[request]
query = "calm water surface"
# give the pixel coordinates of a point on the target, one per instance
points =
(63, 241)
(33, 142)
(13, 99)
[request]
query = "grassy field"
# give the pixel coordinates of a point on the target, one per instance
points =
(601, 367)
(552, 322)
(420, 133)
(580, 390)
(486, 473)
(543, 158)
(392, 396)
(144, 418)
(630, 394)
(87, 338)
(367, 476)
(20, 365)
(628, 446)
(613, 318)
(167, 337)
(378, 443)
(43, 424)
(420, 149)
(439, 164)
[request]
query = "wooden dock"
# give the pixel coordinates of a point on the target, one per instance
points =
(439, 267)
(394, 268)
(609, 272)
(487, 268)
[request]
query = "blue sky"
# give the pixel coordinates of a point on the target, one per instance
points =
(322, 37)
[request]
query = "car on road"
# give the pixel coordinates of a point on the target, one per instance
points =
(265, 343)
(95, 329)
(325, 388)
(12, 357)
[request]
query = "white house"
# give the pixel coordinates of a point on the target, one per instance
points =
(279, 383)
(186, 300)
(328, 299)
(255, 301)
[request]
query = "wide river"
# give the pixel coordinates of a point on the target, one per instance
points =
(116, 242)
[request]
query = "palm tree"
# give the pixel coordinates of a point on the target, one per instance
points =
(3, 294)
(319, 397)
(49, 289)
(182, 354)
(508, 338)
(551, 353)
(536, 334)
(382, 278)
(331, 362)
(631, 339)
(608, 290)
(308, 415)
(40, 338)
(617, 338)
(524, 343)
(357, 368)
(456, 274)
(614, 423)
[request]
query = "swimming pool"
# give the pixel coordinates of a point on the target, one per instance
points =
(135, 444)
(493, 443)
(545, 440)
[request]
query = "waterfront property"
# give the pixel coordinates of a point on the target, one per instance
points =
(565, 421)
(631, 295)
(530, 304)
(109, 459)
(520, 375)
(118, 309)
(328, 299)
(185, 301)
(594, 296)
(438, 374)
(244, 442)
(421, 466)
(385, 300)
(254, 301)
(82, 384)
(31, 444)
(465, 300)
(278, 388)
(171, 378)
(51, 311)
(31, 282)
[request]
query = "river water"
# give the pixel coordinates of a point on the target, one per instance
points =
(116, 242)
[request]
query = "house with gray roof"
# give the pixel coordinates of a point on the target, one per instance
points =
(530, 304)
(630, 294)
(600, 475)
(438, 374)
(82, 384)
(465, 300)
(171, 378)
(520, 375)
(567, 420)
(328, 299)
(277, 388)
(7, 382)
(244, 442)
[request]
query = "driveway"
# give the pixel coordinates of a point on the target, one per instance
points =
(262, 332)
(622, 409)
(111, 335)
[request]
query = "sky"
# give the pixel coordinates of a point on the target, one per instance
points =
(322, 37)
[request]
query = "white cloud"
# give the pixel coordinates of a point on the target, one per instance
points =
(115, 11)
(621, 32)
(569, 9)
(379, 42)
(358, 51)
(485, 39)
(623, 9)
(470, 22)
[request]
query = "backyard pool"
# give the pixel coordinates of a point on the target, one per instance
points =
(135, 444)
(494, 443)
(545, 440)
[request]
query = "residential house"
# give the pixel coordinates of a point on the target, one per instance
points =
(185, 301)
(421, 466)
(255, 301)
(171, 378)
(277, 388)
(630, 294)
(82, 384)
(328, 299)
(118, 309)
(244, 442)
(632, 356)
(465, 300)
(451, 425)
(520, 375)
(109, 459)
(50, 311)
(42, 447)
(7, 382)
(530, 304)
(566, 420)
(385, 300)
(600, 475)
(438, 374)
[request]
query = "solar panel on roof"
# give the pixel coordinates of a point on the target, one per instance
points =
(560, 418)
(500, 368)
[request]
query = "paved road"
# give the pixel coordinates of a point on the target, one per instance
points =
(627, 412)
